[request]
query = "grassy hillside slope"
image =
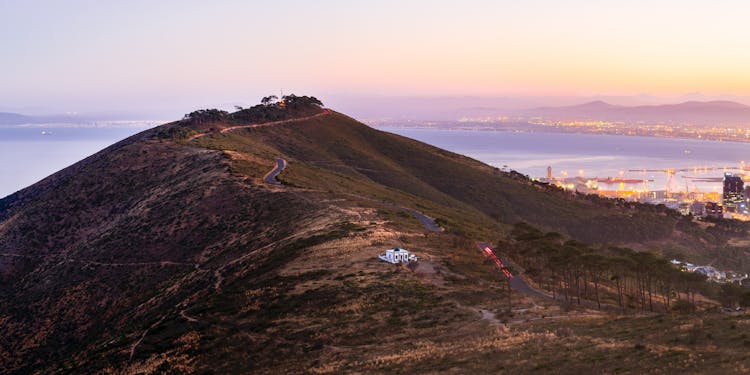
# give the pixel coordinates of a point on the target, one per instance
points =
(167, 255)
(338, 145)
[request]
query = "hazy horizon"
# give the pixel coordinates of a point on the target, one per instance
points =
(145, 60)
(364, 107)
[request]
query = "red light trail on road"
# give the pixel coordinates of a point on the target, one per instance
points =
(497, 261)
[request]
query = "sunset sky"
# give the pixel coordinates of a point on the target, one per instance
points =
(106, 55)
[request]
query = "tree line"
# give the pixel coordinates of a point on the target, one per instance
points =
(574, 272)
(271, 108)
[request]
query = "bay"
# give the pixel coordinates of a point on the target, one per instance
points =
(29, 154)
(593, 155)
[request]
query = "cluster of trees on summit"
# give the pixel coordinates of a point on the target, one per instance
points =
(271, 108)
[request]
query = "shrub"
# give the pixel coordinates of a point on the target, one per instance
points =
(206, 115)
(682, 306)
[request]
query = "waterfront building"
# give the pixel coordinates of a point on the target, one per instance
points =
(697, 209)
(713, 209)
(733, 192)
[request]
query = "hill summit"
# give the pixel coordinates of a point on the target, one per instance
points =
(249, 242)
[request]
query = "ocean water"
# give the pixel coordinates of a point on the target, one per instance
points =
(27, 155)
(591, 155)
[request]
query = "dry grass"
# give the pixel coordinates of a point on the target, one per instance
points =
(285, 279)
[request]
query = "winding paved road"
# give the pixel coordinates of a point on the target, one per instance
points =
(261, 124)
(427, 221)
(272, 123)
(517, 283)
(270, 177)
(196, 136)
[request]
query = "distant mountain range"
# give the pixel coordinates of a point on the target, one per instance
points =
(694, 112)
(452, 108)
(12, 119)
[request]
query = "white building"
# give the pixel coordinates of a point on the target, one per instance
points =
(711, 272)
(397, 255)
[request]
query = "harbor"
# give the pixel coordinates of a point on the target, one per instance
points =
(698, 191)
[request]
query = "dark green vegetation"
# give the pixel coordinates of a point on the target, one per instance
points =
(166, 253)
(270, 109)
(612, 277)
